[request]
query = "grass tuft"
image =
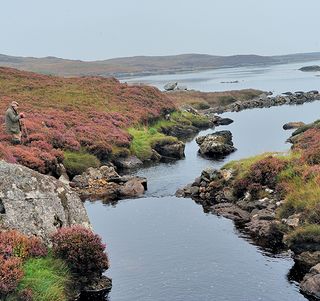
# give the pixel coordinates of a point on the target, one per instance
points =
(48, 278)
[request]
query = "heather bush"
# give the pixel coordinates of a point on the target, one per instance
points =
(265, 171)
(10, 274)
(13, 243)
(74, 113)
(81, 249)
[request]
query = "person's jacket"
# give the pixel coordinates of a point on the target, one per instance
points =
(12, 121)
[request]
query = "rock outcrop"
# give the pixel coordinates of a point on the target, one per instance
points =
(217, 144)
(131, 162)
(293, 125)
(310, 284)
(256, 216)
(170, 150)
(266, 101)
(106, 184)
(36, 204)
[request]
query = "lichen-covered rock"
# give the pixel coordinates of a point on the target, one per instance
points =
(36, 204)
(217, 144)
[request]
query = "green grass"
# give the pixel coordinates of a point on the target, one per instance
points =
(77, 162)
(302, 197)
(48, 278)
(305, 234)
(242, 167)
(144, 139)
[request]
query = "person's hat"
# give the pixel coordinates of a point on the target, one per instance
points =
(14, 103)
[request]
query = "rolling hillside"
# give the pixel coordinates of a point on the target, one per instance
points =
(145, 65)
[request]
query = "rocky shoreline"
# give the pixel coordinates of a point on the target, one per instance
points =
(254, 207)
(265, 100)
(211, 190)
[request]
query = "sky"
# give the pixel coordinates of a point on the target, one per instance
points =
(103, 29)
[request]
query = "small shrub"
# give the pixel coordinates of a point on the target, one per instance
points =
(78, 162)
(265, 171)
(81, 249)
(13, 243)
(10, 274)
(202, 105)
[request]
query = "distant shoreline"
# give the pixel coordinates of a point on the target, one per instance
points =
(140, 66)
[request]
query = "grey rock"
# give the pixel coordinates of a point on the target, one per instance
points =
(130, 162)
(37, 204)
(306, 260)
(310, 284)
(194, 190)
(174, 150)
(170, 86)
(293, 125)
(231, 211)
(132, 188)
(217, 144)
(293, 220)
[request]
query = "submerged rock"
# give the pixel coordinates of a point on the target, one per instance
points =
(217, 144)
(36, 204)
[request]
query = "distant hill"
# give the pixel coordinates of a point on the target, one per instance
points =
(146, 65)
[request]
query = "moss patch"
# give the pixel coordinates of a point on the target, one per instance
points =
(77, 162)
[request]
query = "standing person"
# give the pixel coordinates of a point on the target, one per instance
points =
(12, 120)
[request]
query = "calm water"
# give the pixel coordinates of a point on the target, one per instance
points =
(164, 248)
(278, 79)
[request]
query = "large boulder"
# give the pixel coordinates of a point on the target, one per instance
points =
(36, 204)
(217, 144)
(170, 149)
(170, 86)
(131, 162)
(310, 284)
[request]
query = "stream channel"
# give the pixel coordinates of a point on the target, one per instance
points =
(166, 248)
